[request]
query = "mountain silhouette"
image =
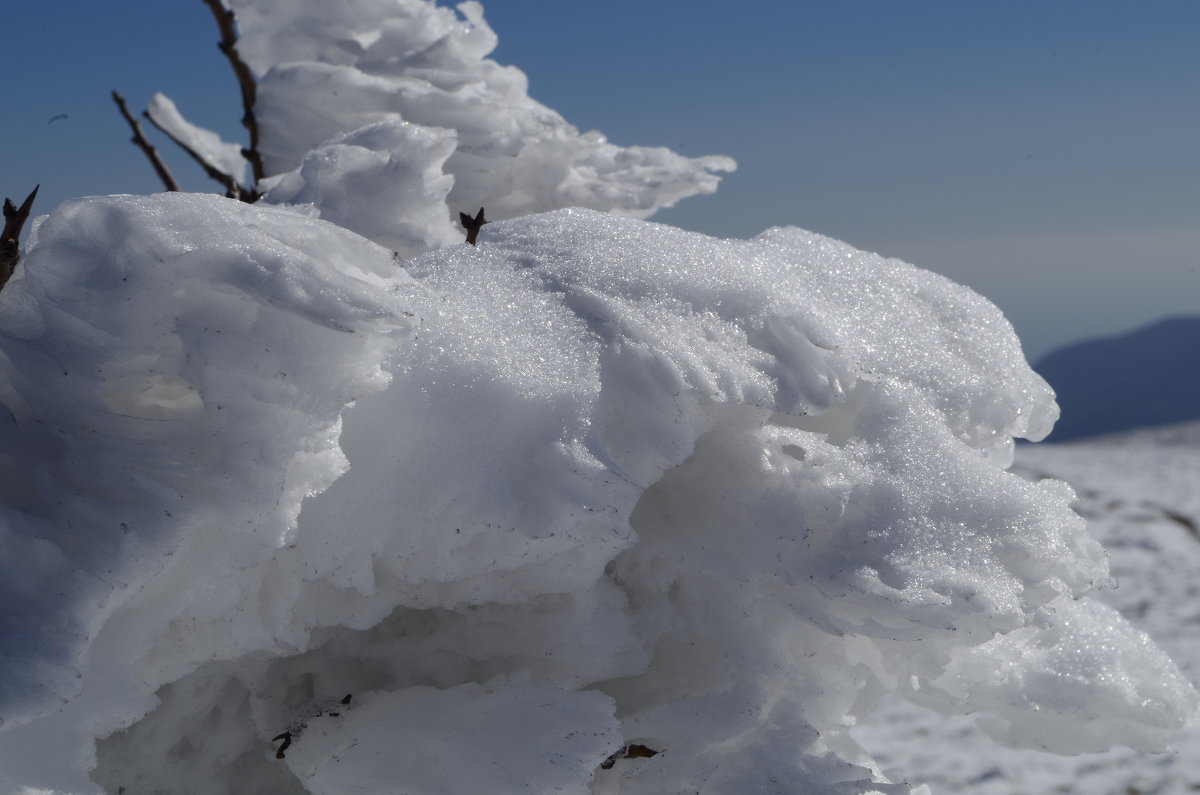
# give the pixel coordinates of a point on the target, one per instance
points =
(1146, 378)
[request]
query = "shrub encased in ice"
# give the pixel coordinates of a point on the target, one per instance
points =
(329, 69)
(625, 484)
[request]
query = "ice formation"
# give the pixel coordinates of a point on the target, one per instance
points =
(388, 118)
(592, 485)
(328, 69)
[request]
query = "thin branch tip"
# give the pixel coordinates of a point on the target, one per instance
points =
(10, 240)
(139, 139)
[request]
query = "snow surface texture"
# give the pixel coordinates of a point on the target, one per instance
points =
(329, 69)
(1138, 493)
(593, 482)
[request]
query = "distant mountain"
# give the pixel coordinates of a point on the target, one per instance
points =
(1145, 378)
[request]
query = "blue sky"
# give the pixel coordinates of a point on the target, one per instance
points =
(1044, 153)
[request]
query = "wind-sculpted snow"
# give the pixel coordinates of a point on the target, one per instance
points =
(594, 482)
(329, 69)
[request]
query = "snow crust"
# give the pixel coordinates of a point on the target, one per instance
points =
(593, 482)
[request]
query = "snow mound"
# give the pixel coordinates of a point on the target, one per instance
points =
(329, 69)
(593, 484)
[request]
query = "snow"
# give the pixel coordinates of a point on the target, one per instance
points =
(384, 181)
(1137, 492)
(594, 484)
(192, 360)
(593, 467)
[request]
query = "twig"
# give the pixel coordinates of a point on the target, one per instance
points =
(14, 222)
(294, 731)
(245, 78)
(232, 189)
(473, 225)
(631, 751)
(287, 741)
(140, 139)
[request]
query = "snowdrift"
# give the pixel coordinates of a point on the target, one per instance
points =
(595, 482)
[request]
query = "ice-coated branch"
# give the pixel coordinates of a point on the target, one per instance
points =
(249, 87)
(139, 138)
(232, 189)
(14, 221)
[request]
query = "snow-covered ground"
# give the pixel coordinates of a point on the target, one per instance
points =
(1140, 493)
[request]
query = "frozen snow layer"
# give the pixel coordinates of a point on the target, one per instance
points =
(217, 154)
(611, 484)
(328, 69)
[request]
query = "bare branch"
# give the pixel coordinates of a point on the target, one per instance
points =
(232, 189)
(14, 222)
(246, 81)
(139, 138)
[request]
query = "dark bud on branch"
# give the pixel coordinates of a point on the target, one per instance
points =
(10, 246)
(472, 225)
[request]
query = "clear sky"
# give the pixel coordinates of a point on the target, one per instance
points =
(1045, 153)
